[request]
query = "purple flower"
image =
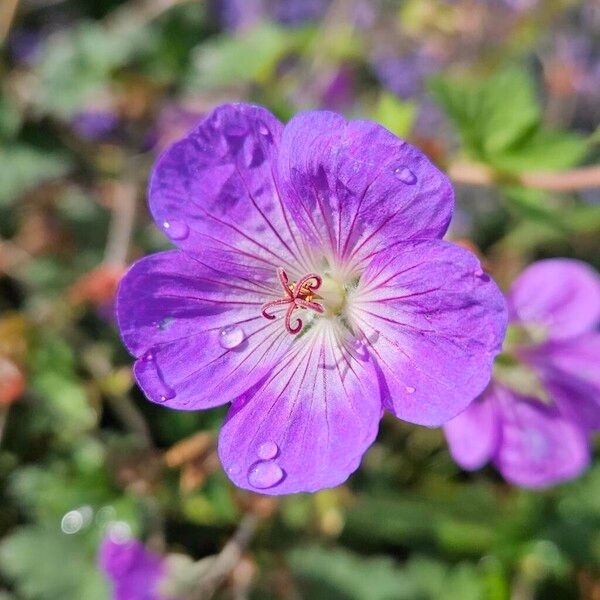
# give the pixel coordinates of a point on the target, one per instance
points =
(311, 288)
(134, 572)
(533, 421)
(239, 14)
(96, 125)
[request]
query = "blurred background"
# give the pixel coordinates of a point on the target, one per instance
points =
(494, 91)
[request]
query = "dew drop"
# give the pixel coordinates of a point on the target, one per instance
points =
(231, 337)
(410, 390)
(268, 450)
(405, 175)
(176, 230)
(263, 129)
(234, 469)
(164, 324)
(158, 383)
(265, 474)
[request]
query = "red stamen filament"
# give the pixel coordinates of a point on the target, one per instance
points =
(297, 295)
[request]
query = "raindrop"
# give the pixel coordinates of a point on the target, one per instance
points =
(176, 230)
(405, 175)
(265, 474)
(164, 391)
(268, 450)
(231, 337)
(165, 323)
(263, 129)
(72, 522)
(234, 469)
(410, 390)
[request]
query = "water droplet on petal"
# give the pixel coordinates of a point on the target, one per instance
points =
(263, 129)
(231, 337)
(265, 474)
(268, 450)
(164, 391)
(176, 230)
(164, 324)
(234, 469)
(410, 389)
(405, 175)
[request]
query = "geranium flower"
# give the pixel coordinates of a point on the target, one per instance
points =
(134, 572)
(311, 289)
(533, 421)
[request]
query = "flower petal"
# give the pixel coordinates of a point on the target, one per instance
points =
(353, 186)
(198, 334)
(540, 446)
(473, 435)
(434, 321)
(570, 370)
(214, 196)
(560, 294)
(307, 425)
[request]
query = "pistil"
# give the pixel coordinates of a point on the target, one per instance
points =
(298, 295)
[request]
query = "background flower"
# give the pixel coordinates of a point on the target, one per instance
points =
(533, 422)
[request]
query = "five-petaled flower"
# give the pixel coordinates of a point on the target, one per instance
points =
(311, 288)
(533, 421)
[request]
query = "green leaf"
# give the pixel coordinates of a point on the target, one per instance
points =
(63, 398)
(499, 123)
(24, 167)
(338, 574)
(543, 149)
(46, 564)
(77, 64)
(249, 56)
(394, 114)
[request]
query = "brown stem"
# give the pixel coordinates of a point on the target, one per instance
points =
(121, 224)
(558, 181)
(227, 559)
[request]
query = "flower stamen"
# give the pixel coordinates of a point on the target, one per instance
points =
(298, 295)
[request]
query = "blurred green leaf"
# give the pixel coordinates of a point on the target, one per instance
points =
(499, 122)
(63, 398)
(78, 62)
(334, 574)
(396, 115)
(251, 55)
(46, 564)
(24, 167)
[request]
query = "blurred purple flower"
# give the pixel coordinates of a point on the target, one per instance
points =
(405, 75)
(239, 14)
(96, 125)
(339, 91)
(297, 12)
(533, 421)
(134, 572)
(311, 288)
(25, 45)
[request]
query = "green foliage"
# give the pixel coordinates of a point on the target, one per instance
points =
(24, 167)
(396, 115)
(338, 574)
(63, 400)
(499, 122)
(247, 57)
(46, 564)
(76, 64)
